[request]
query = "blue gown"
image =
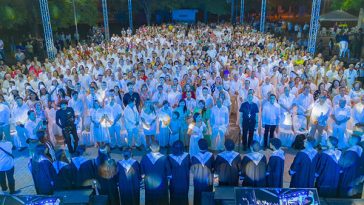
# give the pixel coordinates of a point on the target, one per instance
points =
(254, 171)
(328, 171)
(304, 167)
(350, 163)
(63, 180)
(275, 171)
(180, 181)
(156, 181)
(202, 170)
(228, 166)
(43, 175)
(83, 170)
(129, 182)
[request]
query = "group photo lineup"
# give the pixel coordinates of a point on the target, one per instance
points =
(181, 102)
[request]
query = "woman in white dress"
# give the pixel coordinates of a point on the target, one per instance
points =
(196, 131)
(341, 115)
(320, 114)
(149, 122)
(100, 123)
(286, 125)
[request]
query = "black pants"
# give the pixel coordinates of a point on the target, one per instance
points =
(268, 129)
(67, 138)
(11, 181)
(248, 133)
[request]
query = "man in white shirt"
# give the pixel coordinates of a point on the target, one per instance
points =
(132, 123)
(304, 103)
(350, 75)
(19, 117)
(32, 126)
(5, 120)
(342, 94)
(270, 118)
(115, 129)
(7, 167)
(219, 124)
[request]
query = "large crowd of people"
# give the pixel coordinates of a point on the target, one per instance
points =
(182, 87)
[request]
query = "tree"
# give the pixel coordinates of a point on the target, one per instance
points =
(352, 6)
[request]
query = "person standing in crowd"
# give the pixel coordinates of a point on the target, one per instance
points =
(179, 162)
(275, 167)
(328, 169)
(219, 123)
(116, 113)
(304, 102)
(65, 119)
(42, 171)
(196, 130)
(131, 95)
(248, 120)
(61, 165)
(149, 119)
(132, 120)
(202, 165)
(83, 169)
(253, 167)
(270, 118)
(320, 114)
(184, 114)
(350, 162)
(7, 167)
(341, 115)
(129, 175)
(32, 126)
(155, 168)
(228, 165)
(4, 119)
(304, 166)
(19, 116)
(78, 107)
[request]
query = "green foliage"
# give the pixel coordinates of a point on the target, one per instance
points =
(352, 6)
(22, 13)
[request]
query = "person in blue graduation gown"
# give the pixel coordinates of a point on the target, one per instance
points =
(275, 168)
(107, 176)
(350, 163)
(129, 179)
(202, 165)
(328, 169)
(63, 170)
(303, 168)
(180, 171)
(42, 171)
(254, 167)
(156, 170)
(83, 169)
(228, 165)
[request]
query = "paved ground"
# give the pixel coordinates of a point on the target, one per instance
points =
(24, 182)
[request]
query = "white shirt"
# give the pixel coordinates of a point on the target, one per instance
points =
(6, 161)
(4, 114)
(131, 116)
(270, 114)
(219, 116)
(20, 114)
(30, 126)
(304, 103)
(342, 113)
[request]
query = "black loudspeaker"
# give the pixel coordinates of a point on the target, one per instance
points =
(74, 197)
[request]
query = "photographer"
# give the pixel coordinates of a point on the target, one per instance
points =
(65, 119)
(32, 126)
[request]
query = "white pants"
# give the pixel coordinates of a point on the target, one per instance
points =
(339, 131)
(133, 137)
(344, 45)
(218, 137)
(115, 136)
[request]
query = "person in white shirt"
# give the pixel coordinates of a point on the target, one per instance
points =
(341, 115)
(4, 119)
(159, 97)
(190, 102)
(350, 75)
(219, 123)
(358, 115)
(270, 118)
(320, 114)
(303, 102)
(342, 94)
(7, 167)
(19, 117)
(132, 123)
(32, 126)
(116, 111)
(78, 107)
